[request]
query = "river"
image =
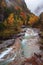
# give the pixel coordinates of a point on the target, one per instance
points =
(29, 45)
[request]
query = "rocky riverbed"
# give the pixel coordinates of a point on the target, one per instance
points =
(15, 49)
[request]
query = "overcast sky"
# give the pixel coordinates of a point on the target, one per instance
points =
(35, 6)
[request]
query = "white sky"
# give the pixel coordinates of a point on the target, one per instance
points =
(34, 4)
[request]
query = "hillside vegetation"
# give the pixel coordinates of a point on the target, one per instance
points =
(14, 17)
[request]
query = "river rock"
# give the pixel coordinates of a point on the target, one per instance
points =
(6, 43)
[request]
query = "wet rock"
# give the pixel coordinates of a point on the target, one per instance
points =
(41, 47)
(34, 60)
(6, 43)
(37, 55)
(41, 34)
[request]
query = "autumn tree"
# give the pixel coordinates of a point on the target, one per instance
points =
(33, 19)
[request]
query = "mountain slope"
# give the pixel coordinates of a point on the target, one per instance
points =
(18, 3)
(14, 15)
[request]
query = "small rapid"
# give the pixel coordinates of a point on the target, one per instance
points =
(30, 43)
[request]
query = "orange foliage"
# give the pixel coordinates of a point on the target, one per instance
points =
(23, 15)
(17, 8)
(33, 19)
(11, 18)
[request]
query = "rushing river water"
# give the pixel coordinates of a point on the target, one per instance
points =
(30, 43)
(29, 46)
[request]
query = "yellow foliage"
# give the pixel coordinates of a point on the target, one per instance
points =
(19, 22)
(33, 19)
